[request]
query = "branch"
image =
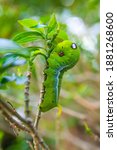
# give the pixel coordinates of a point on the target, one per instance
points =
(38, 116)
(14, 122)
(26, 93)
(9, 111)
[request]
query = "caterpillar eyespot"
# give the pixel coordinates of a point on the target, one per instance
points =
(74, 46)
(55, 70)
(61, 54)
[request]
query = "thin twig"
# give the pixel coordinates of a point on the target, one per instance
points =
(26, 93)
(27, 86)
(14, 122)
(30, 145)
(38, 116)
(33, 132)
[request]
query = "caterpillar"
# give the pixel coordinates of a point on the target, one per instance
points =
(63, 57)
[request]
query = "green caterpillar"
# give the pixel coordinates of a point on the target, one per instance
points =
(63, 57)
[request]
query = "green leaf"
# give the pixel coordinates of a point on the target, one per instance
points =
(62, 35)
(39, 52)
(6, 79)
(21, 79)
(28, 22)
(52, 24)
(28, 36)
(38, 26)
(9, 46)
(10, 60)
(13, 78)
(6, 44)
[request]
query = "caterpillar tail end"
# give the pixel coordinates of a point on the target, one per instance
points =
(59, 113)
(47, 107)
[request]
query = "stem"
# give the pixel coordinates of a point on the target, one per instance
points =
(26, 93)
(9, 113)
(30, 145)
(27, 87)
(38, 116)
(14, 122)
(27, 100)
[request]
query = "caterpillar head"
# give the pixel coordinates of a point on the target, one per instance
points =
(66, 54)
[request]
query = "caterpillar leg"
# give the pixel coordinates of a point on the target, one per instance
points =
(59, 110)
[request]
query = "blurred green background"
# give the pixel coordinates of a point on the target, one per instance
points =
(80, 87)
